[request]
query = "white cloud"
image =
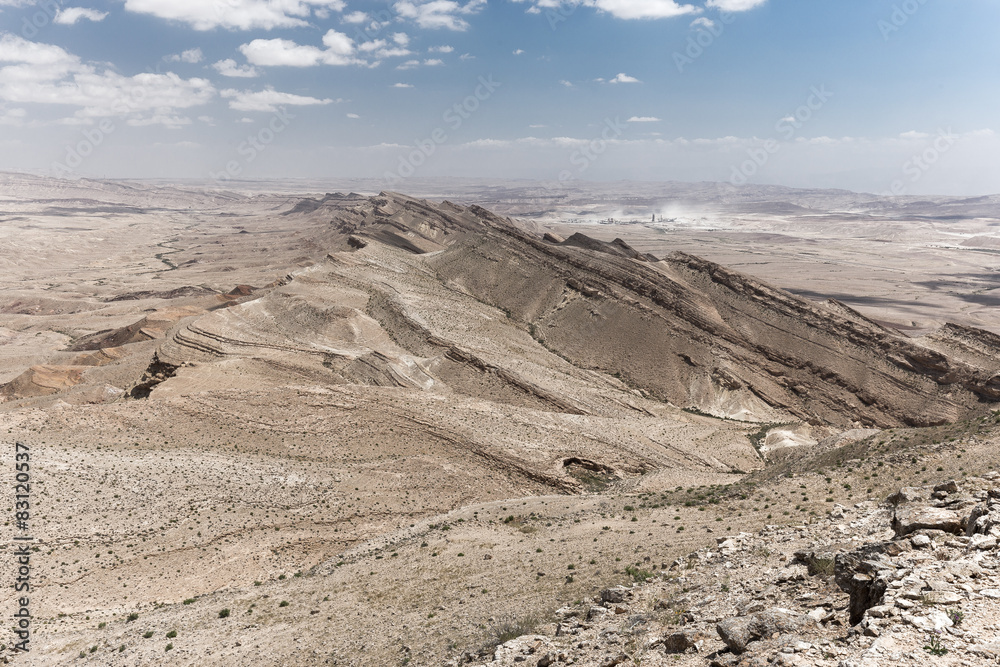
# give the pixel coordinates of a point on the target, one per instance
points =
(394, 52)
(518, 52)
(379, 48)
(402, 39)
(439, 13)
(703, 22)
(913, 134)
(429, 62)
(625, 9)
(564, 82)
(353, 116)
(643, 119)
(486, 143)
(267, 100)
(71, 15)
(338, 43)
(355, 17)
(373, 45)
(734, 5)
(440, 49)
(46, 74)
(286, 53)
(466, 56)
(535, 127)
(189, 56)
(281, 53)
(645, 9)
(236, 14)
(228, 67)
(622, 77)
(170, 121)
(402, 85)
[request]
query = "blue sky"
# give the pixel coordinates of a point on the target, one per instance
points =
(872, 95)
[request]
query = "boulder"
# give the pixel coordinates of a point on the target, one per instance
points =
(907, 494)
(909, 520)
(613, 595)
(983, 518)
(950, 486)
(942, 597)
(738, 632)
(682, 641)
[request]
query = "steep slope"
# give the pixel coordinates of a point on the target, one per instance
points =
(697, 334)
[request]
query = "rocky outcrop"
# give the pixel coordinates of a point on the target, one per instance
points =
(801, 596)
(738, 632)
(864, 575)
(158, 371)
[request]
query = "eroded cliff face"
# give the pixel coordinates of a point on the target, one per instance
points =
(695, 333)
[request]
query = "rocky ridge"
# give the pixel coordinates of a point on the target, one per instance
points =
(911, 580)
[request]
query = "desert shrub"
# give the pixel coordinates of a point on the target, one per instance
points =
(507, 627)
(637, 574)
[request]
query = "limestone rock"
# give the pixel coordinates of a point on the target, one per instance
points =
(863, 574)
(682, 641)
(738, 632)
(909, 520)
(613, 595)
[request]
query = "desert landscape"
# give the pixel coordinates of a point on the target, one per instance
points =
(303, 422)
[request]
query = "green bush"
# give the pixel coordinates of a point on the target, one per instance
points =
(637, 574)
